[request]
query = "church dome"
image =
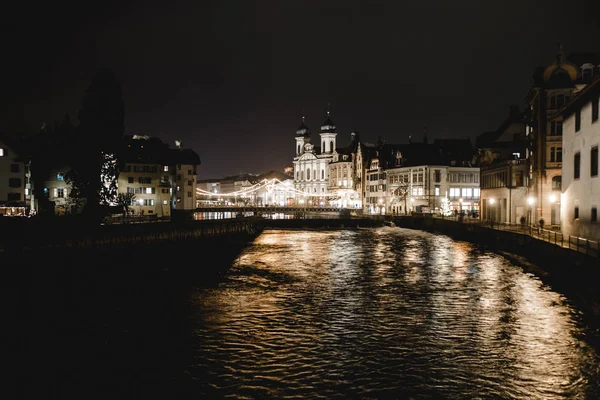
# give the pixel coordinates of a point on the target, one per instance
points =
(328, 125)
(303, 129)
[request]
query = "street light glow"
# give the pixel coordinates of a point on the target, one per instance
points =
(530, 200)
(492, 201)
(552, 198)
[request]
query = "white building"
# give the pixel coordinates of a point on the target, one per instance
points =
(311, 164)
(12, 181)
(580, 181)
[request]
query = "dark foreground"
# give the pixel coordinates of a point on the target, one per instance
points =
(338, 313)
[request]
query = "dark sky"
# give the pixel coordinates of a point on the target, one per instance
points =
(233, 78)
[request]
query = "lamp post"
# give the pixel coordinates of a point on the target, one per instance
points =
(530, 201)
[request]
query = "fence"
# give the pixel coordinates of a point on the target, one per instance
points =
(582, 245)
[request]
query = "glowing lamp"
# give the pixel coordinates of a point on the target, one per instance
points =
(530, 200)
(492, 201)
(552, 198)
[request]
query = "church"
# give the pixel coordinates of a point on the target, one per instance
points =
(311, 163)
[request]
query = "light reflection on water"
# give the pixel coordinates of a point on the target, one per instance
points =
(386, 313)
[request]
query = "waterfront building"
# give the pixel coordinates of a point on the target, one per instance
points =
(56, 191)
(13, 186)
(580, 180)
(311, 163)
(505, 171)
(162, 179)
(404, 178)
(553, 87)
(343, 186)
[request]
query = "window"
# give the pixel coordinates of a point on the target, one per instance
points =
(298, 149)
(190, 172)
(322, 174)
(331, 146)
(14, 167)
(578, 120)
(60, 177)
(557, 183)
(476, 192)
(438, 175)
(594, 161)
(594, 214)
(144, 179)
(576, 165)
(594, 111)
(308, 174)
(1, 152)
(178, 177)
(165, 202)
(437, 191)
(130, 179)
(14, 182)
(178, 189)
(576, 213)
(324, 149)
(189, 194)
(189, 183)
(60, 193)
(556, 154)
(556, 128)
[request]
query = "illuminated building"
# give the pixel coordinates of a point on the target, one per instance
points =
(554, 86)
(311, 164)
(504, 171)
(12, 180)
(580, 178)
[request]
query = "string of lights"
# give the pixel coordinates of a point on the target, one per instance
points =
(260, 185)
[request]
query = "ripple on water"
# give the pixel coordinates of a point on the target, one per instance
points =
(387, 312)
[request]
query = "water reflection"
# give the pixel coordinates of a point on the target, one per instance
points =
(386, 312)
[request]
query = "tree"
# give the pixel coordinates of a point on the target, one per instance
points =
(124, 200)
(401, 194)
(445, 207)
(101, 126)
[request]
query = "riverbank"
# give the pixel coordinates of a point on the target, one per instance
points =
(106, 322)
(570, 272)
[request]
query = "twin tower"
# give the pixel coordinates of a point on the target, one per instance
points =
(328, 136)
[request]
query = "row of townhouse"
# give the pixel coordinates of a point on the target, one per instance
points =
(384, 178)
(528, 163)
(160, 179)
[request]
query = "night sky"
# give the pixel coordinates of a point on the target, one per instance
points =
(232, 79)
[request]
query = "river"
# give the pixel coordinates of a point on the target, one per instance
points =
(384, 313)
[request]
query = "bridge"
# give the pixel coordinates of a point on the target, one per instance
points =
(276, 209)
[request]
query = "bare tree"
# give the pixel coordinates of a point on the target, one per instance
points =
(401, 193)
(124, 200)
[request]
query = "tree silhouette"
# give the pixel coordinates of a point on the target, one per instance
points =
(101, 126)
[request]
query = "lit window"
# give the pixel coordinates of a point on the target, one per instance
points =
(26, 192)
(60, 193)
(166, 168)
(1, 152)
(437, 190)
(165, 202)
(60, 177)
(148, 190)
(178, 189)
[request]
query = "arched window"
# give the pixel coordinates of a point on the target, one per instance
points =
(557, 183)
(302, 175)
(322, 174)
(298, 149)
(324, 149)
(331, 146)
(308, 174)
(297, 175)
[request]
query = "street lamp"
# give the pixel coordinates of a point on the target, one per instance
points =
(552, 198)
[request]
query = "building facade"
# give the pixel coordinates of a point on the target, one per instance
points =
(311, 164)
(505, 171)
(581, 182)
(554, 87)
(12, 180)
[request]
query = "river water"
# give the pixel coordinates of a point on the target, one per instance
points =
(385, 313)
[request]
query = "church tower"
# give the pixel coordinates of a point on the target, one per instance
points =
(328, 136)
(302, 137)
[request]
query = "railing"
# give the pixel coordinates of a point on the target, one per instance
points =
(581, 245)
